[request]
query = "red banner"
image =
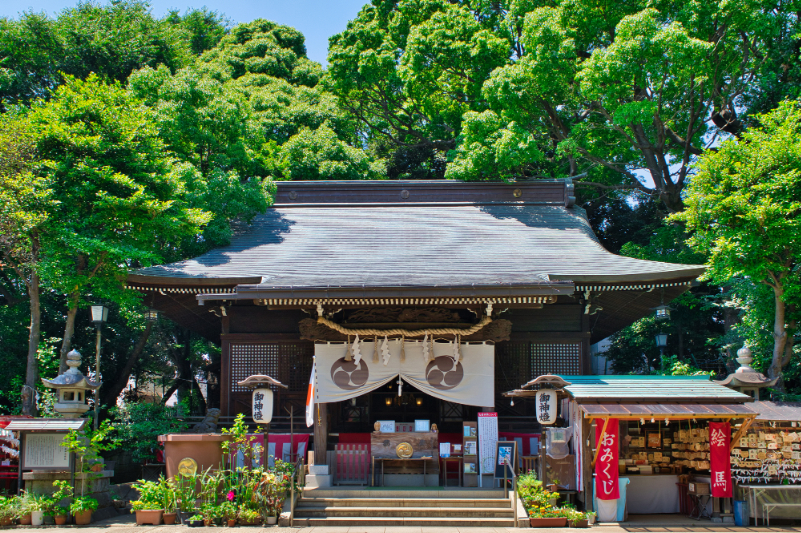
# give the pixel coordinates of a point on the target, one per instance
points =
(720, 464)
(606, 467)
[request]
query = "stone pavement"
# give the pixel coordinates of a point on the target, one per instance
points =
(640, 524)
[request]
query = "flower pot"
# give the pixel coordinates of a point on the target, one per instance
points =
(25, 520)
(207, 522)
(97, 467)
(149, 516)
(37, 518)
(194, 523)
(552, 488)
(61, 519)
(580, 523)
(591, 519)
(169, 518)
(231, 522)
(49, 520)
(83, 518)
(6, 521)
(272, 520)
(548, 522)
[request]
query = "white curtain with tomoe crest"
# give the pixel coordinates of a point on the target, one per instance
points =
(465, 375)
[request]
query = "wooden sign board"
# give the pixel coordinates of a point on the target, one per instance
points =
(44, 451)
(385, 445)
(504, 450)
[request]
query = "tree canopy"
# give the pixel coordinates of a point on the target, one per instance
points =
(744, 209)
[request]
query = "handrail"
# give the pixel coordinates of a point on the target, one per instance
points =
(514, 485)
(300, 474)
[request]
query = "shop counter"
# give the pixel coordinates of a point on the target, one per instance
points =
(653, 494)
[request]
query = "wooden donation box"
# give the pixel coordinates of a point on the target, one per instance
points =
(393, 448)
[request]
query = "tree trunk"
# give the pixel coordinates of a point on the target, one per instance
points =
(779, 339)
(111, 393)
(69, 331)
(32, 370)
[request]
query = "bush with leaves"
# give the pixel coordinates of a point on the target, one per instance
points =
(138, 425)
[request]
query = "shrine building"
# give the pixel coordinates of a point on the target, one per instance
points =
(503, 281)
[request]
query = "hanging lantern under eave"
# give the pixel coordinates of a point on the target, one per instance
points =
(262, 406)
(662, 312)
(545, 401)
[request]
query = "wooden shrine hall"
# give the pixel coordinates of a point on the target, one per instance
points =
(507, 276)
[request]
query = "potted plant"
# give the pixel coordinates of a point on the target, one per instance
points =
(249, 517)
(186, 496)
(578, 519)
(8, 510)
(547, 517)
(170, 500)
(591, 517)
(228, 510)
(37, 504)
(25, 507)
(61, 514)
(195, 520)
(53, 505)
(149, 508)
(82, 508)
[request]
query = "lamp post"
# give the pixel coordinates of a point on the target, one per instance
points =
(661, 342)
(99, 317)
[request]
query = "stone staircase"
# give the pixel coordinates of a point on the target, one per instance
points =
(404, 507)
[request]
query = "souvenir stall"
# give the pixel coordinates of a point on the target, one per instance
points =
(653, 444)
(766, 462)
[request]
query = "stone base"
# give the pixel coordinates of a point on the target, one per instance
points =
(318, 481)
(90, 485)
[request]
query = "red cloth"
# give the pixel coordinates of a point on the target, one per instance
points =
(606, 467)
(354, 438)
(720, 465)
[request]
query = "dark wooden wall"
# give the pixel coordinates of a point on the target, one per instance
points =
(554, 339)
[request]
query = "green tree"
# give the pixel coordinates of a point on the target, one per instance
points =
(109, 40)
(744, 207)
(232, 112)
(409, 70)
(602, 91)
(26, 201)
(120, 197)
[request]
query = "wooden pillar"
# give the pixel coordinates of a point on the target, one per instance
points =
(320, 433)
(586, 463)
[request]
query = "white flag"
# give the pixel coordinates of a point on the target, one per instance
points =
(310, 398)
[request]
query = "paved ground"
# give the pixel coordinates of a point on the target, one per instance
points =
(639, 524)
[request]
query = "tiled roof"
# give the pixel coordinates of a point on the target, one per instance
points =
(648, 389)
(460, 244)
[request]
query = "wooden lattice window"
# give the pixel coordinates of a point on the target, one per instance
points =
(555, 358)
(288, 362)
(249, 359)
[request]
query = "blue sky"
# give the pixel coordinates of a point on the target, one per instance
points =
(317, 19)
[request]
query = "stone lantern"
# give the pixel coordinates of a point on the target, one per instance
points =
(745, 379)
(71, 387)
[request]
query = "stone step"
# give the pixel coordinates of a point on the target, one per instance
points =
(405, 521)
(402, 502)
(403, 512)
(375, 493)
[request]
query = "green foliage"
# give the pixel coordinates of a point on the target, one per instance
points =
(409, 70)
(138, 425)
(151, 495)
(111, 40)
(744, 206)
(83, 503)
